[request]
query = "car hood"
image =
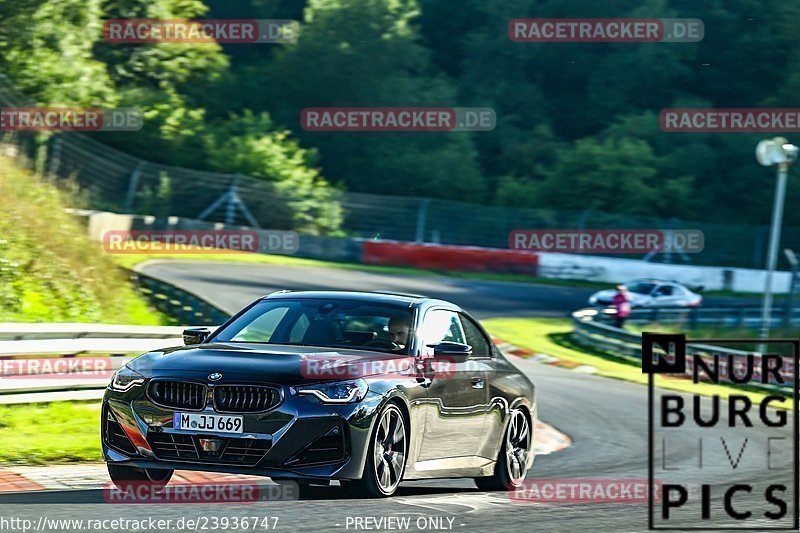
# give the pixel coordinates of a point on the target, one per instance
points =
(258, 363)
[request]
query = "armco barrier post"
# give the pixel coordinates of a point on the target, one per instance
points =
(133, 185)
(422, 214)
(55, 158)
(693, 318)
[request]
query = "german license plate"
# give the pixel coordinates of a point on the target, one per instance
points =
(206, 422)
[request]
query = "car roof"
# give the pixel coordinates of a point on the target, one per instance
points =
(389, 297)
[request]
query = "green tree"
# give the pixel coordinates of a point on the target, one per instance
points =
(251, 144)
(178, 67)
(616, 175)
(367, 53)
(46, 49)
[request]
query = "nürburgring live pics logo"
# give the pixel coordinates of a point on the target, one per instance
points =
(739, 455)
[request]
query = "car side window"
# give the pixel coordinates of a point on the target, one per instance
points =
(439, 326)
(664, 290)
(480, 345)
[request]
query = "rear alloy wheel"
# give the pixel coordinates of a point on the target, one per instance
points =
(386, 458)
(130, 478)
(511, 466)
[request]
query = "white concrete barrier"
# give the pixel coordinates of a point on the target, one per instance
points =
(551, 265)
(618, 270)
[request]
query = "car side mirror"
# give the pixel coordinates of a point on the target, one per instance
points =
(195, 335)
(457, 351)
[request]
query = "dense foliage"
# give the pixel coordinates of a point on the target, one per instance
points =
(577, 123)
(49, 270)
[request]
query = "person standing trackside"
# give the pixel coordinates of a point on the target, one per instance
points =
(622, 305)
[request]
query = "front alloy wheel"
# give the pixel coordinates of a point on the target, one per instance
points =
(512, 464)
(386, 459)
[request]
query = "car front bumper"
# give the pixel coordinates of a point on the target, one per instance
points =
(301, 438)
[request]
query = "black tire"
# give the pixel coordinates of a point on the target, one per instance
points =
(373, 483)
(502, 479)
(129, 478)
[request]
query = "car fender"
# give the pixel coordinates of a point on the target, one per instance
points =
(383, 392)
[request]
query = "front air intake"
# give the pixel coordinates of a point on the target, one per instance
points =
(115, 436)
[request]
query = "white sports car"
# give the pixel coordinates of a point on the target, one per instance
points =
(652, 293)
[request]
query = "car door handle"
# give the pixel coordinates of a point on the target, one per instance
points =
(477, 383)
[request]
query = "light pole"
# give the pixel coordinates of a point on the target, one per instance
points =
(770, 152)
(794, 263)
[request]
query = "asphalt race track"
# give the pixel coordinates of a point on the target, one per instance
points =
(233, 285)
(606, 419)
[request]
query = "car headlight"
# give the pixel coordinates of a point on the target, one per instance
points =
(350, 391)
(124, 379)
(592, 299)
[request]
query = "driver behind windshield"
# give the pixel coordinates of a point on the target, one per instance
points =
(398, 331)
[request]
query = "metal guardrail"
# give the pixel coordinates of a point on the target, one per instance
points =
(27, 341)
(591, 330)
(591, 325)
(44, 342)
(39, 331)
(74, 347)
(72, 339)
(728, 317)
(182, 305)
(65, 340)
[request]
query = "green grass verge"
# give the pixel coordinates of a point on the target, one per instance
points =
(59, 432)
(49, 270)
(551, 336)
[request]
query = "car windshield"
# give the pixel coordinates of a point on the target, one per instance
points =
(641, 287)
(323, 323)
